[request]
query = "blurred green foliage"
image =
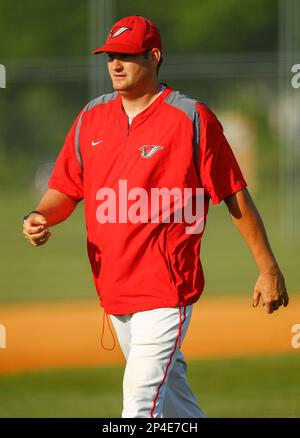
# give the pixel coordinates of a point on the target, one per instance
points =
(45, 28)
(60, 27)
(206, 26)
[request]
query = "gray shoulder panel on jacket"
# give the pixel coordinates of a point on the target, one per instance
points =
(188, 106)
(105, 98)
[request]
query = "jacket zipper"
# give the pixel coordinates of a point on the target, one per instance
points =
(128, 129)
(125, 142)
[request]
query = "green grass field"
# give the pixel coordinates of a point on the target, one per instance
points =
(265, 386)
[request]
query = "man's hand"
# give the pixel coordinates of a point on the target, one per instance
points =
(270, 284)
(34, 229)
(271, 287)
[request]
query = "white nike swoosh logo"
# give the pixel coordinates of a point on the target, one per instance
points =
(96, 142)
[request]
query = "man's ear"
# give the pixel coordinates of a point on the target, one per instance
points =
(155, 56)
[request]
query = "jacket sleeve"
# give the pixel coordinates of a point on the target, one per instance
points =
(67, 175)
(219, 171)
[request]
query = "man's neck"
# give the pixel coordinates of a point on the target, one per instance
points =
(135, 103)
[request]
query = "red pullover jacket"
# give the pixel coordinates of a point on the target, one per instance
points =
(145, 265)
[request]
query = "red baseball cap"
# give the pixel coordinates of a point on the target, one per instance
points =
(133, 34)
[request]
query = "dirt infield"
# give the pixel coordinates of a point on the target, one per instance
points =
(68, 334)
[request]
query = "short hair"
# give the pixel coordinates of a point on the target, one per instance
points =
(159, 62)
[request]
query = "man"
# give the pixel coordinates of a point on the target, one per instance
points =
(146, 267)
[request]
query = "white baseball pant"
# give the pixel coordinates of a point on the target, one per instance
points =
(155, 383)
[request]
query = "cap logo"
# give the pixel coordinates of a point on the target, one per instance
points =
(117, 30)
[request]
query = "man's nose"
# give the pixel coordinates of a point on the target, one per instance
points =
(117, 64)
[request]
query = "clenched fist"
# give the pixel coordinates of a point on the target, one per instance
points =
(35, 229)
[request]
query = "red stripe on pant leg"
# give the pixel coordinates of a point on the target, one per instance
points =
(184, 318)
(180, 327)
(173, 352)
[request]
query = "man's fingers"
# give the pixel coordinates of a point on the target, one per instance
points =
(36, 219)
(273, 291)
(256, 298)
(43, 238)
(285, 299)
(280, 301)
(37, 236)
(34, 223)
(37, 241)
(33, 229)
(43, 241)
(268, 307)
(272, 306)
(284, 293)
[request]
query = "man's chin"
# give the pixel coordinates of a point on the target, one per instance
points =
(121, 87)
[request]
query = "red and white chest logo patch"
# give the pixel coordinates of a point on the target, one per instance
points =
(117, 30)
(148, 150)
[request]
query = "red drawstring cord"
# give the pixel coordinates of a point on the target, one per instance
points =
(110, 349)
(103, 329)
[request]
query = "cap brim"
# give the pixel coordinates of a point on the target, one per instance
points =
(119, 48)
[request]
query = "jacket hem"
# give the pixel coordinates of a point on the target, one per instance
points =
(127, 309)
